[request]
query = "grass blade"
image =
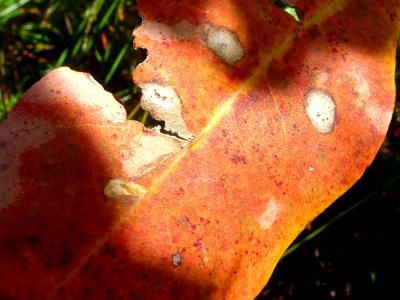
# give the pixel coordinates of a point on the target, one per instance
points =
(116, 64)
(317, 231)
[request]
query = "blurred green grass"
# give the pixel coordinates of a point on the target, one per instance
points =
(92, 36)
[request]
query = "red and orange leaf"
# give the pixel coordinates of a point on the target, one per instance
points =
(276, 119)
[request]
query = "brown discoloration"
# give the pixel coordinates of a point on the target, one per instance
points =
(238, 159)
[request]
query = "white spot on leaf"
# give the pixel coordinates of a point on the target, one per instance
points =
(118, 187)
(269, 216)
(162, 102)
(321, 110)
(223, 42)
(176, 260)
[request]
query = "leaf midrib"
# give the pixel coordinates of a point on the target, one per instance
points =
(224, 109)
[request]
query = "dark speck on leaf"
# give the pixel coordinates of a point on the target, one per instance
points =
(238, 159)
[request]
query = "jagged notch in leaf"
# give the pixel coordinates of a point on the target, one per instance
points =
(280, 118)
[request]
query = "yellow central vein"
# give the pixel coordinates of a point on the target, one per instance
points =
(220, 113)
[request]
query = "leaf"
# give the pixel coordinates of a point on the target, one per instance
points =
(275, 120)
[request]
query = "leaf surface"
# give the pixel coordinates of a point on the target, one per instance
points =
(276, 120)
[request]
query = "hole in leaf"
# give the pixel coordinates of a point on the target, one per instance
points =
(132, 105)
(288, 6)
(141, 111)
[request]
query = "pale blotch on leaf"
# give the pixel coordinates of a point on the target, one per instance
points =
(205, 259)
(321, 78)
(148, 151)
(380, 117)
(118, 187)
(321, 110)
(176, 260)
(269, 216)
(223, 42)
(162, 102)
(14, 142)
(162, 33)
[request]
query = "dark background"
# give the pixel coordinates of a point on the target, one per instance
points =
(349, 252)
